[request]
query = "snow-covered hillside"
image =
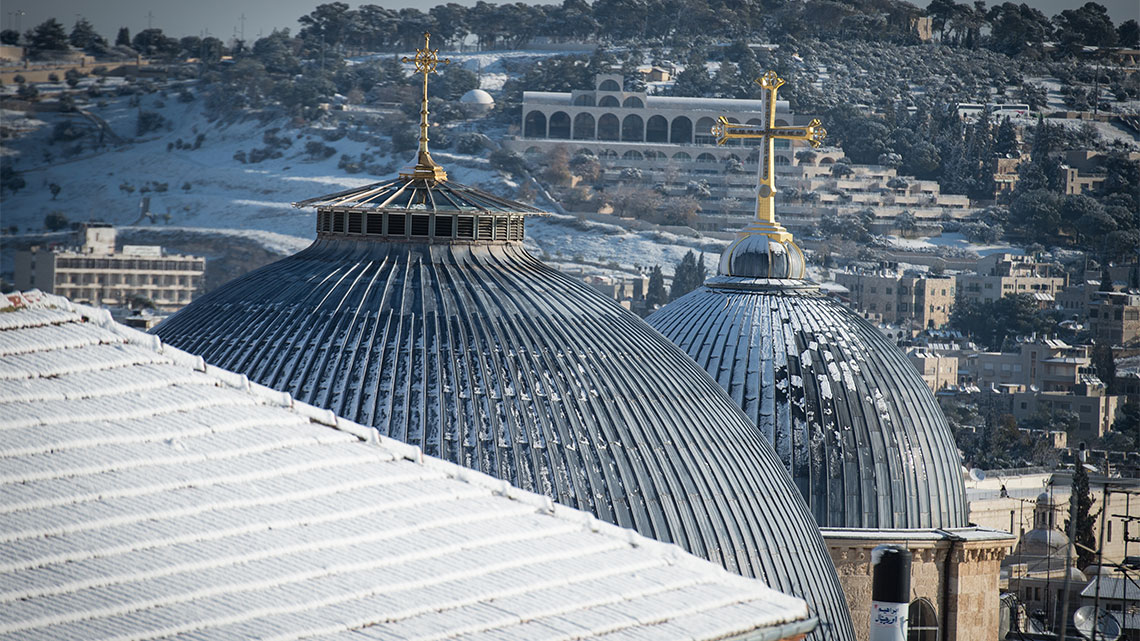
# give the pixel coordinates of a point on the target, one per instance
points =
(208, 188)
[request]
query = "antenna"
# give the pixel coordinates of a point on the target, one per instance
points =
(242, 20)
(149, 19)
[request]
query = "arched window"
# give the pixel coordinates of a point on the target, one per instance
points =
(535, 125)
(706, 158)
(681, 131)
(632, 155)
(632, 129)
(608, 153)
(826, 161)
(608, 101)
(633, 102)
(780, 122)
(922, 621)
(609, 84)
(560, 125)
(654, 155)
(657, 129)
(729, 158)
(682, 156)
(584, 126)
(703, 134)
(532, 151)
(584, 100)
(608, 127)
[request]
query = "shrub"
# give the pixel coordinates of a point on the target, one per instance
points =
(149, 121)
(56, 221)
(317, 150)
(470, 144)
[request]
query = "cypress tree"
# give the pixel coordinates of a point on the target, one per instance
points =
(1085, 538)
(656, 294)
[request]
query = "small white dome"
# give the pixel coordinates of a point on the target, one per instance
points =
(477, 97)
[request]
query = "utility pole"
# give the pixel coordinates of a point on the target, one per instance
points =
(1069, 550)
(149, 19)
(242, 20)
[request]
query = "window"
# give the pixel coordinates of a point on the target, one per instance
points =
(923, 620)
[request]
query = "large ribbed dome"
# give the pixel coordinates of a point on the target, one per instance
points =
(860, 432)
(418, 311)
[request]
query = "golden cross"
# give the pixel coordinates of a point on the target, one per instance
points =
(768, 132)
(426, 60)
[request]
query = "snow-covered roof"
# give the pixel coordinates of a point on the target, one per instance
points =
(147, 495)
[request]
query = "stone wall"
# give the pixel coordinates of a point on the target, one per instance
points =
(964, 591)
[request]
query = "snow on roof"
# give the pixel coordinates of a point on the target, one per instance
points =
(146, 494)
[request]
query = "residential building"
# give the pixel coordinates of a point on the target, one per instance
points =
(1046, 364)
(1114, 317)
(1094, 409)
(93, 271)
(938, 371)
(999, 275)
(893, 296)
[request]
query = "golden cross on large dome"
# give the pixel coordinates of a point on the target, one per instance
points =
(426, 61)
(768, 133)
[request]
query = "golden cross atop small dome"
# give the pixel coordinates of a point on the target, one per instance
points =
(426, 61)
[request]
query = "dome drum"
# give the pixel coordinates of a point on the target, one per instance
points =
(419, 227)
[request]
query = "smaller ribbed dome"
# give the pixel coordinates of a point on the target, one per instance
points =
(756, 255)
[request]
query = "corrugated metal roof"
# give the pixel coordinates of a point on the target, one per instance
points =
(484, 356)
(419, 196)
(146, 495)
(851, 419)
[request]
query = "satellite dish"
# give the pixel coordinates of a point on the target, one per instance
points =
(977, 474)
(1087, 617)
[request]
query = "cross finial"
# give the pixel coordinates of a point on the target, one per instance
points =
(767, 133)
(426, 60)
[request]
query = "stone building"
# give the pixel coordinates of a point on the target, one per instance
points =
(1114, 317)
(1047, 364)
(999, 275)
(95, 272)
(897, 297)
(937, 371)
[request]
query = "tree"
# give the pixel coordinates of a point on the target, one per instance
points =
(329, 23)
(54, 189)
(1084, 539)
(1089, 25)
(152, 42)
(49, 36)
(1128, 34)
(56, 221)
(123, 39)
(10, 37)
(83, 35)
(655, 296)
(689, 275)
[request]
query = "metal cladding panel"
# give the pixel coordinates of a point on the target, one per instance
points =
(854, 423)
(482, 355)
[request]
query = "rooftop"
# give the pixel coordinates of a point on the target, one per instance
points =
(146, 494)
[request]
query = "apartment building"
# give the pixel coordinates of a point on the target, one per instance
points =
(1094, 408)
(1047, 364)
(92, 271)
(891, 296)
(1114, 317)
(999, 275)
(937, 370)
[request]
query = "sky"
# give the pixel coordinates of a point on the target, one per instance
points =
(222, 18)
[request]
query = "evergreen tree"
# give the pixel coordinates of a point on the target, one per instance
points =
(83, 35)
(656, 295)
(689, 275)
(1005, 141)
(1085, 539)
(124, 37)
(49, 36)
